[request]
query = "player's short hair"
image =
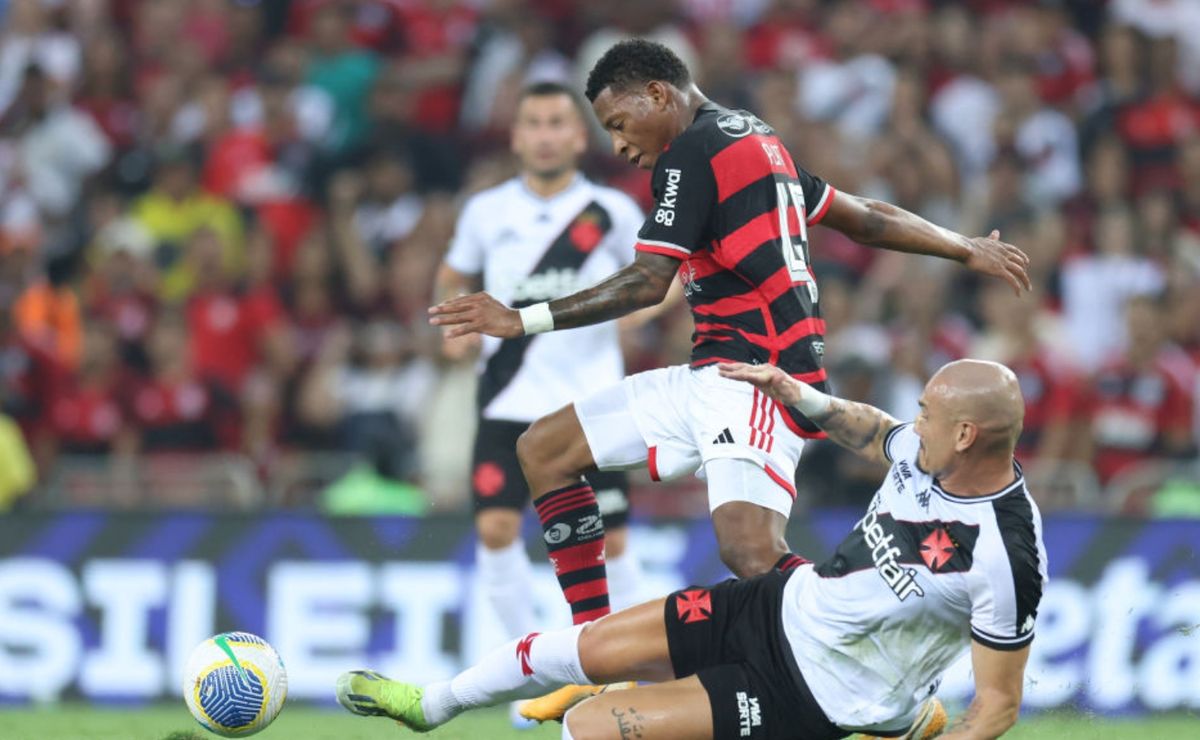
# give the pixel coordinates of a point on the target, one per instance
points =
(633, 62)
(548, 89)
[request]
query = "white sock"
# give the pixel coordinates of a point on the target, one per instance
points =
(624, 581)
(519, 669)
(506, 578)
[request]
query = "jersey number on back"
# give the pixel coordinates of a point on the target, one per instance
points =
(795, 252)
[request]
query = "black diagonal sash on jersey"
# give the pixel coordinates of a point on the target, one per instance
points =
(944, 547)
(562, 254)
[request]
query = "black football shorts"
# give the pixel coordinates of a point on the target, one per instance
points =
(497, 480)
(730, 636)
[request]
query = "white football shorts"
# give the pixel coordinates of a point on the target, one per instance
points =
(675, 419)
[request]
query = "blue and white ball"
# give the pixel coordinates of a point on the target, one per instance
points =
(234, 684)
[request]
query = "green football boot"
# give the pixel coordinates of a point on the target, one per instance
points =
(370, 694)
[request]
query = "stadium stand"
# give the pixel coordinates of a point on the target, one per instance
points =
(220, 219)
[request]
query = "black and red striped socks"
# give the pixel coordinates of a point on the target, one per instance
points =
(574, 535)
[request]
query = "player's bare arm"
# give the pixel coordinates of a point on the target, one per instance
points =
(643, 283)
(999, 675)
(451, 283)
(859, 427)
(641, 317)
(884, 225)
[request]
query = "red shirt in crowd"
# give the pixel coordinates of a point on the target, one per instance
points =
(1159, 122)
(1134, 411)
(783, 44)
(429, 33)
(226, 331)
(1051, 397)
(1065, 68)
(1152, 128)
(28, 376)
(129, 313)
(234, 160)
(86, 418)
(118, 118)
(175, 415)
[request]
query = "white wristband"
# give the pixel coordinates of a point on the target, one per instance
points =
(812, 401)
(537, 318)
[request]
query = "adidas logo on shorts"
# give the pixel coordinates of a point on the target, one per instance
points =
(724, 438)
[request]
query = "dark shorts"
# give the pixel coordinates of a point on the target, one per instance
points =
(731, 637)
(497, 480)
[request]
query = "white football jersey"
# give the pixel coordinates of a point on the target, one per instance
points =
(924, 572)
(530, 249)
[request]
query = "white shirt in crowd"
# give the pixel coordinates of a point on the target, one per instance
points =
(1094, 292)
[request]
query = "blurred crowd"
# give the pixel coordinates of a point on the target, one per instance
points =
(220, 219)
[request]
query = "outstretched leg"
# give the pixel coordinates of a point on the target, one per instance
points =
(629, 645)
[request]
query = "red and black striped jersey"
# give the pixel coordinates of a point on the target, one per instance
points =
(734, 207)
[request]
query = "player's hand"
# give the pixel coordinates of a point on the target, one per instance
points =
(991, 256)
(778, 385)
(476, 313)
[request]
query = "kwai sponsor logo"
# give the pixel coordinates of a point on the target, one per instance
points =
(665, 214)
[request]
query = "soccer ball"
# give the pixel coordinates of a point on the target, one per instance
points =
(234, 684)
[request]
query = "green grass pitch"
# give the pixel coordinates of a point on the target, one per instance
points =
(169, 722)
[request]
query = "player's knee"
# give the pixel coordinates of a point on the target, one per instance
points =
(746, 559)
(498, 529)
(591, 652)
(532, 445)
(600, 652)
(585, 722)
(544, 448)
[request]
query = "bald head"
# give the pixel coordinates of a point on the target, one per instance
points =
(985, 394)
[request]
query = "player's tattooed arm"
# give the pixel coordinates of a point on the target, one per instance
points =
(884, 225)
(999, 676)
(859, 427)
(641, 284)
(964, 724)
